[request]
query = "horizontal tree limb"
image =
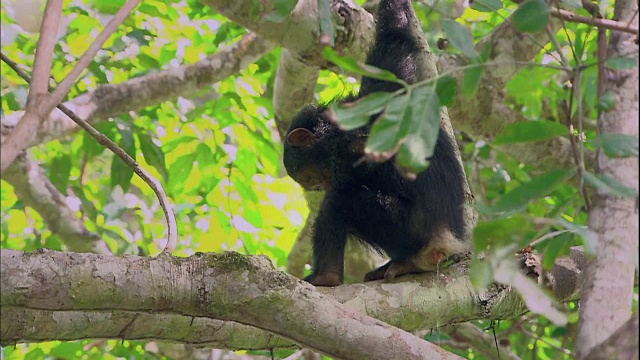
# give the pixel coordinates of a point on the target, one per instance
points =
(165, 295)
(229, 286)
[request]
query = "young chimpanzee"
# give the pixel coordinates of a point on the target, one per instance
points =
(417, 222)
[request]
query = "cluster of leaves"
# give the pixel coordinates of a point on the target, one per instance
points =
(516, 207)
(215, 151)
(219, 159)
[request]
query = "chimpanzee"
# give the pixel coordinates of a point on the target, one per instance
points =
(417, 222)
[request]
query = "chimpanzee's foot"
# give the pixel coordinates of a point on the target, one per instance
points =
(392, 269)
(325, 279)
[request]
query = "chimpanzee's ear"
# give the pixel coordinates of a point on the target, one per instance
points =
(301, 137)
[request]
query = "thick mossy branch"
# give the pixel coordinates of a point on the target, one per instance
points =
(203, 298)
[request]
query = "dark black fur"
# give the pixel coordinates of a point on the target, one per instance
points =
(375, 201)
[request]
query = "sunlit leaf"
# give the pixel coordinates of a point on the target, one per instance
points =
(180, 170)
(172, 145)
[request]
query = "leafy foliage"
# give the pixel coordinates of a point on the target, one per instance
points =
(217, 153)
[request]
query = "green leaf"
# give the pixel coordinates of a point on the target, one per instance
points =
(66, 350)
(527, 131)
(481, 274)
(486, 5)
(460, 37)
(555, 247)
(108, 6)
(589, 238)
(246, 191)
(535, 298)
(282, 10)
(155, 10)
(609, 185)
(148, 61)
(391, 127)
(35, 354)
(471, 80)
(153, 155)
(357, 113)
(121, 173)
(349, 64)
(607, 102)
(180, 170)
(59, 171)
(91, 146)
(622, 63)
(617, 145)
(424, 116)
(447, 89)
(204, 155)
(172, 145)
(538, 187)
(500, 232)
(531, 16)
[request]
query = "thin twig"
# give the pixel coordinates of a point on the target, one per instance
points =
(581, 138)
(547, 236)
(552, 37)
(574, 151)
(601, 23)
(156, 186)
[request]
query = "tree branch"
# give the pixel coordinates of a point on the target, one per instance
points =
(234, 288)
(300, 31)
(601, 23)
(36, 191)
(112, 100)
(154, 184)
(480, 341)
(228, 286)
(622, 344)
(607, 297)
(44, 51)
